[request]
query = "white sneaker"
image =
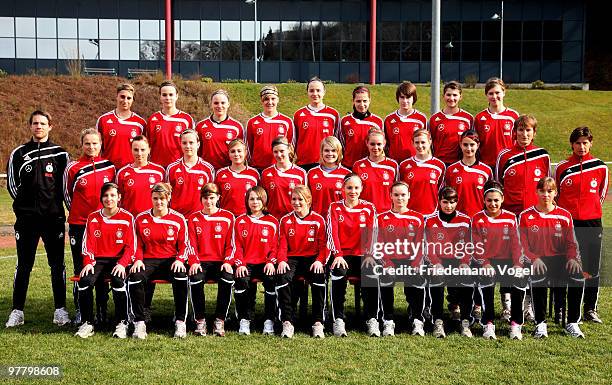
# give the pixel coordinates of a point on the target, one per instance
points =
(515, 332)
(318, 330)
(541, 330)
(180, 329)
(15, 319)
(61, 317)
(465, 329)
(574, 330)
(219, 327)
(85, 331)
(592, 316)
(489, 332)
(200, 327)
(245, 327)
(140, 330)
(121, 330)
(417, 328)
(339, 328)
(268, 329)
(388, 329)
(288, 330)
(373, 327)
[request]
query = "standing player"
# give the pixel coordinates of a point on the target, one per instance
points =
(354, 127)
(164, 127)
(583, 185)
(494, 124)
(325, 181)
(263, 128)
(446, 126)
(218, 130)
(313, 123)
(35, 170)
(119, 126)
(402, 123)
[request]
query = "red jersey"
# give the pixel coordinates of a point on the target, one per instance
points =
(468, 181)
(404, 227)
(353, 133)
(440, 235)
(135, 184)
(117, 136)
(311, 127)
(211, 237)
(164, 237)
(351, 231)
(399, 130)
(164, 134)
(302, 237)
(495, 133)
(546, 235)
(256, 240)
(325, 186)
(498, 237)
(425, 179)
(377, 179)
(278, 185)
(233, 186)
(260, 133)
(109, 237)
(83, 179)
(583, 184)
(214, 138)
(186, 184)
(446, 133)
(519, 170)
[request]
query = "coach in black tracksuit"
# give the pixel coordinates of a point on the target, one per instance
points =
(35, 174)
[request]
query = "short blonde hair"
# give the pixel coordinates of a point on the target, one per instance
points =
(545, 182)
(333, 142)
(90, 131)
(162, 188)
(126, 87)
(304, 192)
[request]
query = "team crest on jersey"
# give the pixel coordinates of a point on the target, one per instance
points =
(272, 186)
(484, 231)
(338, 185)
(535, 228)
(49, 168)
(440, 236)
(386, 176)
(292, 185)
(458, 180)
(396, 130)
(133, 133)
(364, 176)
(198, 230)
(201, 181)
(28, 168)
(170, 231)
(311, 232)
(462, 234)
(461, 126)
(106, 179)
(151, 179)
(558, 226)
(229, 135)
(594, 183)
(227, 186)
(157, 127)
(537, 172)
(208, 135)
(506, 230)
(291, 232)
(265, 232)
(441, 127)
(119, 234)
(82, 181)
(218, 228)
(480, 180)
(180, 180)
(130, 182)
(325, 123)
(390, 228)
(318, 187)
(507, 126)
(433, 175)
(281, 128)
(244, 233)
(486, 127)
(259, 131)
(178, 128)
(362, 218)
(97, 233)
(350, 132)
(112, 132)
(305, 125)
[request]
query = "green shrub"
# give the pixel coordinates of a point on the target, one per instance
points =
(537, 85)
(206, 79)
(470, 80)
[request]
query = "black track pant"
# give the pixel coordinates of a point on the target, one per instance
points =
(300, 267)
(245, 293)
(28, 231)
(369, 288)
(589, 237)
(211, 271)
(102, 270)
(414, 291)
(460, 289)
(515, 286)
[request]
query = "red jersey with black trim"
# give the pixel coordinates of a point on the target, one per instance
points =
(446, 130)
(519, 170)
(494, 132)
(547, 235)
(233, 186)
(497, 237)
(425, 179)
(261, 131)
(353, 133)
(403, 227)
(278, 185)
(468, 181)
(351, 231)
(135, 184)
(399, 130)
(211, 237)
(446, 240)
(377, 178)
(186, 184)
(325, 186)
(302, 237)
(83, 179)
(117, 135)
(256, 240)
(109, 238)
(164, 237)
(311, 127)
(582, 183)
(214, 138)
(164, 134)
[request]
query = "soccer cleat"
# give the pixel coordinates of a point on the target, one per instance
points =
(180, 329)
(219, 327)
(528, 310)
(15, 319)
(373, 327)
(592, 316)
(541, 330)
(77, 317)
(438, 329)
(268, 329)
(121, 330)
(140, 330)
(245, 327)
(465, 329)
(86, 330)
(339, 328)
(477, 312)
(516, 332)
(388, 328)
(61, 317)
(506, 315)
(147, 314)
(317, 330)
(200, 327)
(489, 332)
(417, 328)
(288, 330)
(574, 330)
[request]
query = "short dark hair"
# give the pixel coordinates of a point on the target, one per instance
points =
(408, 89)
(41, 113)
(107, 186)
(448, 193)
(168, 83)
(453, 85)
(261, 194)
(579, 132)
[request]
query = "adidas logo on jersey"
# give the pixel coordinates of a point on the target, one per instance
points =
(347, 123)
(145, 221)
(362, 165)
(455, 170)
(27, 157)
(224, 176)
(242, 222)
(530, 217)
(94, 220)
(437, 119)
(315, 177)
(269, 174)
(302, 114)
(289, 221)
(483, 118)
(154, 119)
(196, 220)
(386, 217)
(109, 121)
(393, 121)
(435, 225)
(481, 220)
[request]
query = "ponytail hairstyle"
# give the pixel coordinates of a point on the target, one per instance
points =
(238, 142)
